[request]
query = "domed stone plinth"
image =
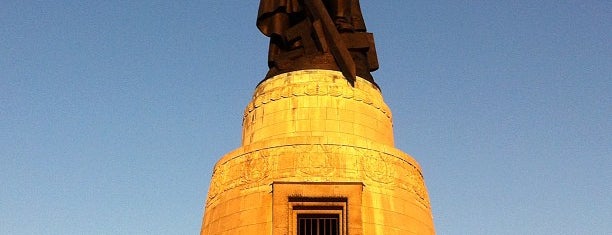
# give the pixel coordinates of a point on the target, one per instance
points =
(317, 103)
(315, 146)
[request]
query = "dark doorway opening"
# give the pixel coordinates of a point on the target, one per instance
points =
(318, 224)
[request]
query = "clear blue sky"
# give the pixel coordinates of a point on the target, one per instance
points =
(113, 113)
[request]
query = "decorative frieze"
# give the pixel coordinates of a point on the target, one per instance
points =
(386, 167)
(323, 86)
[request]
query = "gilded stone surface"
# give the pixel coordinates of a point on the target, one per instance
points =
(316, 135)
(315, 162)
(316, 102)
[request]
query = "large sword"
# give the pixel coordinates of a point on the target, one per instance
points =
(336, 45)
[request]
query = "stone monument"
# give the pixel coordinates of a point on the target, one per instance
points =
(317, 153)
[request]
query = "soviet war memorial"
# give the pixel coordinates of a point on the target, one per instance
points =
(317, 153)
(305, 117)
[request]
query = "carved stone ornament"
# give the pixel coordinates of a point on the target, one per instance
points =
(314, 161)
(376, 166)
(255, 167)
(318, 162)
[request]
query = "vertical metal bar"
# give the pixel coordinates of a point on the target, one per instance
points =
(312, 231)
(335, 227)
(299, 227)
(324, 229)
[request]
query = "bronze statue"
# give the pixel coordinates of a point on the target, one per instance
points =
(317, 34)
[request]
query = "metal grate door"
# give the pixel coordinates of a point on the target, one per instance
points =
(318, 224)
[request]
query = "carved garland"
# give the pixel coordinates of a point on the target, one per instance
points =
(314, 89)
(254, 167)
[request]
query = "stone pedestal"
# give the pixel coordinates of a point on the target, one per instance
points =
(313, 144)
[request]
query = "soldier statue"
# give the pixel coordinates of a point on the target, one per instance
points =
(317, 34)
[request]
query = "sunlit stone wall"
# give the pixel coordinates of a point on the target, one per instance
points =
(312, 129)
